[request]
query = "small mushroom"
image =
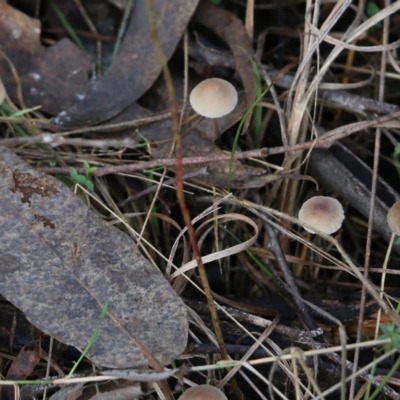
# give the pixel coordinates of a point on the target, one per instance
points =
(203, 392)
(393, 218)
(213, 98)
(323, 213)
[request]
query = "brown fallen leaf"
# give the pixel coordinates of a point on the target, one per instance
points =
(200, 140)
(69, 392)
(22, 366)
(230, 28)
(51, 77)
(125, 393)
(60, 263)
(136, 67)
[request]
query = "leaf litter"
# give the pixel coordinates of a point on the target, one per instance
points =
(136, 63)
(60, 263)
(23, 366)
(52, 77)
(249, 271)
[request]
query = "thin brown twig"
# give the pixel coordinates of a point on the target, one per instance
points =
(110, 127)
(54, 140)
(179, 185)
(322, 142)
(276, 250)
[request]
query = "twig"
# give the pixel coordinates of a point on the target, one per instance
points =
(179, 185)
(297, 335)
(110, 127)
(276, 250)
(54, 140)
(323, 142)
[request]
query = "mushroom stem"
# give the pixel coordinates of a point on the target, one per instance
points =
(217, 130)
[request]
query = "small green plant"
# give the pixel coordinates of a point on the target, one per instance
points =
(392, 332)
(83, 180)
(371, 10)
(396, 157)
(6, 110)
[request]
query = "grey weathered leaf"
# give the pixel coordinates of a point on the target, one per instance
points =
(52, 77)
(60, 263)
(136, 67)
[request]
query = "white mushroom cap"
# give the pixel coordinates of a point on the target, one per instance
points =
(213, 98)
(203, 392)
(393, 218)
(323, 213)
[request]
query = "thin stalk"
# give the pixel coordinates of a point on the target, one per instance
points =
(179, 184)
(122, 29)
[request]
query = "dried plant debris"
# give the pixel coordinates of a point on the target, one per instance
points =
(51, 77)
(61, 268)
(199, 141)
(22, 366)
(136, 67)
(233, 32)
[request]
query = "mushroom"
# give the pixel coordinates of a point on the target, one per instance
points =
(323, 213)
(213, 98)
(203, 392)
(393, 218)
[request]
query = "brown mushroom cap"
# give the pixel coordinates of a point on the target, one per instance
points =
(203, 392)
(213, 98)
(393, 218)
(323, 213)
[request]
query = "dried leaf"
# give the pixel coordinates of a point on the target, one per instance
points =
(230, 28)
(126, 393)
(60, 263)
(136, 67)
(68, 392)
(44, 72)
(23, 365)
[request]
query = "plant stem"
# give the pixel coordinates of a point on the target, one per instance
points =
(179, 185)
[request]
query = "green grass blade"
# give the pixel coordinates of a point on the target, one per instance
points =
(67, 25)
(239, 131)
(92, 339)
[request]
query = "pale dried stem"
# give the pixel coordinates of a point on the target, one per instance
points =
(385, 38)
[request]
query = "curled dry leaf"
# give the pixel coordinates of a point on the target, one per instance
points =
(60, 263)
(22, 366)
(231, 29)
